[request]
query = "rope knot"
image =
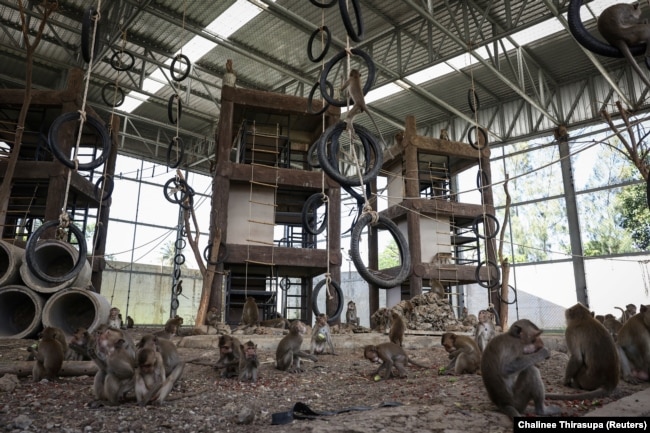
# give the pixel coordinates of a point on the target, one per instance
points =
(82, 115)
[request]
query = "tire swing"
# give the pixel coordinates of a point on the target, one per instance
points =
(473, 101)
(30, 253)
(310, 214)
(170, 109)
(106, 182)
(355, 35)
(368, 275)
(180, 152)
(53, 140)
(495, 275)
(222, 255)
(180, 186)
(478, 133)
(321, 56)
(339, 298)
(514, 301)
(323, 5)
(481, 219)
(117, 90)
(118, 64)
(310, 100)
(370, 81)
(182, 58)
(329, 162)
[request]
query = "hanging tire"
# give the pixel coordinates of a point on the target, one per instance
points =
(323, 5)
(310, 100)
(108, 183)
(321, 56)
(329, 162)
(185, 73)
(479, 219)
(355, 255)
(179, 259)
(180, 243)
(92, 122)
(221, 256)
(495, 275)
(309, 210)
(473, 132)
(170, 109)
(355, 35)
(30, 253)
(370, 80)
(179, 193)
(87, 34)
(481, 179)
(514, 301)
(177, 273)
(116, 102)
(312, 155)
(180, 153)
(118, 64)
(339, 298)
(473, 101)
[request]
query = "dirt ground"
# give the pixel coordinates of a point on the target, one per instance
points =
(203, 402)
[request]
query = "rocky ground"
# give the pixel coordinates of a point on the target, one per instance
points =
(203, 402)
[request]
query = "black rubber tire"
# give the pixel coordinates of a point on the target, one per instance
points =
(402, 246)
(30, 253)
(180, 156)
(175, 198)
(329, 164)
(323, 5)
(177, 273)
(109, 185)
(370, 81)
(221, 257)
(355, 35)
(473, 101)
(481, 179)
(587, 40)
(92, 122)
(339, 297)
(180, 243)
(87, 25)
(514, 301)
(311, 205)
(170, 109)
(475, 144)
(284, 284)
(175, 304)
(323, 53)
(478, 220)
(178, 288)
(118, 101)
(489, 284)
(312, 155)
(185, 73)
(179, 259)
(310, 100)
(118, 65)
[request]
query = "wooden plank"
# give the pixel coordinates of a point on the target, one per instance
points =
(271, 175)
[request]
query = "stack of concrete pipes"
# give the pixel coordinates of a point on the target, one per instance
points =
(28, 303)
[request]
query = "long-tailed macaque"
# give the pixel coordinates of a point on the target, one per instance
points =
(355, 89)
(630, 310)
(172, 366)
(509, 372)
(634, 346)
(114, 354)
(115, 318)
(250, 314)
(48, 356)
(321, 335)
(230, 350)
(351, 317)
(464, 354)
(172, 328)
(622, 26)
(390, 355)
(397, 328)
(485, 329)
(249, 365)
(212, 318)
(149, 375)
(593, 361)
(288, 353)
(612, 324)
(78, 345)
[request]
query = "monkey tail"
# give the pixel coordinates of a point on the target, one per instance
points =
(377, 128)
(417, 364)
(596, 393)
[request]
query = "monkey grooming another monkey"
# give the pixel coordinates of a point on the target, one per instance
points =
(397, 328)
(509, 372)
(355, 90)
(321, 335)
(390, 355)
(634, 347)
(48, 356)
(249, 364)
(288, 353)
(231, 355)
(593, 362)
(114, 354)
(464, 354)
(485, 329)
(351, 317)
(621, 25)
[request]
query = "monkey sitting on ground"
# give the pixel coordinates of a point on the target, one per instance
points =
(250, 314)
(212, 317)
(468, 319)
(48, 356)
(390, 355)
(593, 362)
(249, 365)
(278, 322)
(172, 328)
(397, 328)
(158, 384)
(149, 375)
(464, 354)
(115, 318)
(509, 372)
(321, 335)
(78, 345)
(288, 353)
(351, 317)
(485, 329)
(231, 355)
(634, 347)
(114, 354)
(622, 26)
(129, 322)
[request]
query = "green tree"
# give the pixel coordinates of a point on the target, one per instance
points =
(167, 253)
(389, 257)
(634, 216)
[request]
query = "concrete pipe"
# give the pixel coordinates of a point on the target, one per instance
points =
(11, 257)
(71, 308)
(20, 312)
(55, 258)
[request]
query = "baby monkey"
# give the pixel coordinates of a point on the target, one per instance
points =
(321, 335)
(248, 365)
